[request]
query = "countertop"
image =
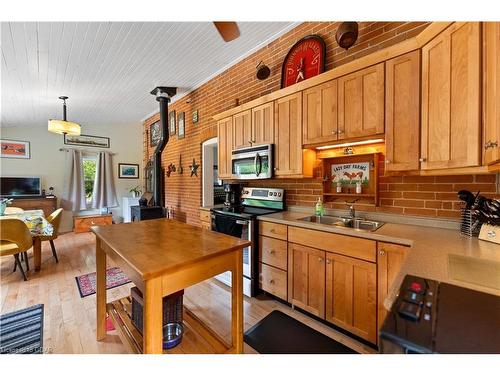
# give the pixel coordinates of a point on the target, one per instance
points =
(435, 253)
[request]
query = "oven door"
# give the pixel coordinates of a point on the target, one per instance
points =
(241, 228)
(252, 163)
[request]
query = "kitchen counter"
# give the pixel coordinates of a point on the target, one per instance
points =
(436, 253)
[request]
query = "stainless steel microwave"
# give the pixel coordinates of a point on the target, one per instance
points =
(252, 163)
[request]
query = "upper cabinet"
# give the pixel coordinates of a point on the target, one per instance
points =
(263, 124)
(225, 146)
(491, 87)
(402, 112)
(242, 127)
(451, 130)
(320, 113)
(361, 103)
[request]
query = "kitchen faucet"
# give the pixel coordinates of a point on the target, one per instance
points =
(352, 210)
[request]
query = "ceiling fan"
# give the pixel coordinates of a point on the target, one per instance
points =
(228, 30)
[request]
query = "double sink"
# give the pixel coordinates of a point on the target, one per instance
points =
(345, 222)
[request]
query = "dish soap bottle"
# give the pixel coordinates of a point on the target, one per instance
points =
(319, 209)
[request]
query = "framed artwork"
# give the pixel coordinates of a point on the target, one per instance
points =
(180, 123)
(15, 149)
(154, 134)
(86, 140)
(171, 122)
(305, 59)
(195, 117)
(128, 170)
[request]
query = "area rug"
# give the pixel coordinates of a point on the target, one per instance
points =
(114, 277)
(279, 333)
(21, 332)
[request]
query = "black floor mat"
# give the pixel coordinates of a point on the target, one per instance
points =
(279, 333)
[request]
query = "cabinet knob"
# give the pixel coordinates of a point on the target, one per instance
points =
(340, 132)
(271, 251)
(490, 144)
(422, 159)
(320, 260)
(275, 168)
(271, 281)
(334, 132)
(387, 162)
(381, 252)
(328, 261)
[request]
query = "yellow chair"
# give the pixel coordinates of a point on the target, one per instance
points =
(15, 238)
(55, 219)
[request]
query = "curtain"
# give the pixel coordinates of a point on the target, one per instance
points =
(73, 198)
(104, 194)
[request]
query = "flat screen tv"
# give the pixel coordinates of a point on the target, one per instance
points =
(20, 186)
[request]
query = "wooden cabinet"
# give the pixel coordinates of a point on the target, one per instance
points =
(491, 93)
(225, 146)
(320, 113)
(307, 279)
(361, 103)
(451, 98)
(351, 295)
(263, 124)
(206, 219)
(242, 130)
(402, 112)
(390, 258)
(47, 205)
(273, 252)
(83, 223)
(273, 280)
(273, 230)
(289, 158)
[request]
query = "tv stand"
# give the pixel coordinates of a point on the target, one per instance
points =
(47, 204)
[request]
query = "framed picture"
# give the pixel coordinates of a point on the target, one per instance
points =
(171, 122)
(86, 140)
(180, 124)
(128, 170)
(195, 117)
(15, 149)
(154, 134)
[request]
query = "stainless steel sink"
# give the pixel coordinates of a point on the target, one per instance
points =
(345, 222)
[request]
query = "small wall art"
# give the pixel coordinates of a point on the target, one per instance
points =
(86, 140)
(15, 149)
(195, 117)
(154, 134)
(171, 122)
(180, 123)
(128, 170)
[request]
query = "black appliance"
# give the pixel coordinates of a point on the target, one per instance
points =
(157, 210)
(20, 187)
(241, 221)
(233, 195)
(433, 317)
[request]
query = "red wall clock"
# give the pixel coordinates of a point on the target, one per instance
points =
(305, 59)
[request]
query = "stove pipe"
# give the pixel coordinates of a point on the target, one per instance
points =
(163, 95)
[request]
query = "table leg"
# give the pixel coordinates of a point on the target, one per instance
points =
(237, 303)
(37, 252)
(100, 257)
(153, 317)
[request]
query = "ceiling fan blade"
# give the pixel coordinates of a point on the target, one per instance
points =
(228, 30)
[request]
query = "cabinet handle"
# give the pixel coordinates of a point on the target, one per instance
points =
(328, 261)
(490, 144)
(271, 251)
(250, 142)
(271, 281)
(334, 132)
(272, 231)
(387, 162)
(275, 168)
(381, 252)
(320, 260)
(92, 223)
(340, 132)
(422, 159)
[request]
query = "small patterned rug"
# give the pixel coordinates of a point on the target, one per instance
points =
(114, 277)
(21, 332)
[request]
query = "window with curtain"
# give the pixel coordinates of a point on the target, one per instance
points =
(89, 174)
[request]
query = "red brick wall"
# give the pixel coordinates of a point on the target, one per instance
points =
(399, 195)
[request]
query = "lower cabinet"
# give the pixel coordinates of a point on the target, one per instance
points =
(307, 275)
(205, 218)
(351, 295)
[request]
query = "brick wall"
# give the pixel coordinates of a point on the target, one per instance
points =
(428, 196)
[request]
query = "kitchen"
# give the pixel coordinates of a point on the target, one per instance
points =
(333, 190)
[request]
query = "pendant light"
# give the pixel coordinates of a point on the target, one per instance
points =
(63, 126)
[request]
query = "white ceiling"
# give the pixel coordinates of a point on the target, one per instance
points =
(108, 68)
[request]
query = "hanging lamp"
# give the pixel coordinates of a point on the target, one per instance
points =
(63, 126)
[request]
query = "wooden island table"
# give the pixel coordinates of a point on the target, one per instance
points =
(162, 257)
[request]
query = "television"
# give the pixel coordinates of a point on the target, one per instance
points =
(15, 186)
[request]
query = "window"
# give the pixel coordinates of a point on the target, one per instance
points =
(89, 170)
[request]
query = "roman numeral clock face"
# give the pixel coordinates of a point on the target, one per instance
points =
(305, 59)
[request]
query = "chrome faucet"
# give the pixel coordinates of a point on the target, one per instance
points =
(352, 211)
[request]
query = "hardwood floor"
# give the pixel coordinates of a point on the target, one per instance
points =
(69, 320)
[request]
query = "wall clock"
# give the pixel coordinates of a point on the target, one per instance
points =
(305, 59)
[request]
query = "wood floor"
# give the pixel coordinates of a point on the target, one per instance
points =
(69, 320)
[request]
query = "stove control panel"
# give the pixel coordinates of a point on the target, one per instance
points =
(268, 194)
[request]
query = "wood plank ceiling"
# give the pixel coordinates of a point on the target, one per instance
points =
(108, 68)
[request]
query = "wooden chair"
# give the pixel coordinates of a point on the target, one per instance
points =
(55, 219)
(15, 239)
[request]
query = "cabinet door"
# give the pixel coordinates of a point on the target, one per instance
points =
(491, 90)
(225, 146)
(242, 126)
(402, 112)
(320, 113)
(288, 136)
(308, 279)
(351, 295)
(451, 98)
(263, 124)
(361, 103)
(390, 258)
